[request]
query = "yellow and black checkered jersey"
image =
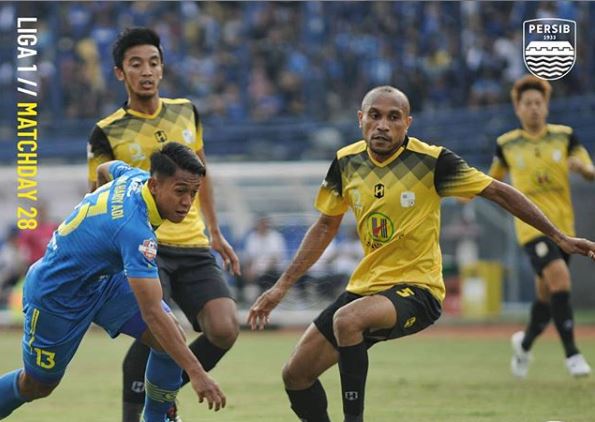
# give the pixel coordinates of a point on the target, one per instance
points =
(132, 137)
(397, 209)
(538, 167)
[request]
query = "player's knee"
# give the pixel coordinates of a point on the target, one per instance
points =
(32, 389)
(560, 284)
(291, 378)
(296, 377)
(344, 323)
(225, 333)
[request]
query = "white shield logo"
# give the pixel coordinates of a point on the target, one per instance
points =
(549, 47)
(407, 199)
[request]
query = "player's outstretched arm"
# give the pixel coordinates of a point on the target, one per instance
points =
(148, 295)
(520, 206)
(315, 241)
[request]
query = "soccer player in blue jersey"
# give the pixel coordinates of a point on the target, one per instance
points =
(100, 267)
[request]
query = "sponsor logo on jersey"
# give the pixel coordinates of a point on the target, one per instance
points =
(549, 47)
(407, 199)
(541, 177)
(380, 227)
(148, 249)
(379, 190)
(161, 136)
(188, 136)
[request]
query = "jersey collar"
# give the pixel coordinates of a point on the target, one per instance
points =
(144, 115)
(386, 162)
(154, 217)
(537, 137)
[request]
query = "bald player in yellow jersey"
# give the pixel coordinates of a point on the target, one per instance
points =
(393, 184)
(538, 157)
(188, 271)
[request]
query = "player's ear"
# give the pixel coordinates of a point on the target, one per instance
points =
(360, 114)
(152, 183)
(119, 73)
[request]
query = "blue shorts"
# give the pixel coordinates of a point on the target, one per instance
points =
(50, 340)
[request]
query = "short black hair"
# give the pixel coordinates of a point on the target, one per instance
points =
(131, 37)
(175, 156)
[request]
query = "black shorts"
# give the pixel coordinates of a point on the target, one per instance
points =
(416, 309)
(543, 250)
(190, 277)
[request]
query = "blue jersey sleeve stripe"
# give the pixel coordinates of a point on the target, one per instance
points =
(142, 274)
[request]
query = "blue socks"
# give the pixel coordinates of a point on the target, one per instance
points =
(162, 382)
(10, 398)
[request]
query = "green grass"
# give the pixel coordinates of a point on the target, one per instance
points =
(445, 378)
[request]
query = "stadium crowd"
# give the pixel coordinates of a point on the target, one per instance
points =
(257, 61)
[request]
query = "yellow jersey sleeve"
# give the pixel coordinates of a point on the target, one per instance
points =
(454, 177)
(499, 167)
(199, 142)
(330, 200)
(578, 151)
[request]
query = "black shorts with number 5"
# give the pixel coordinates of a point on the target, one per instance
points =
(416, 309)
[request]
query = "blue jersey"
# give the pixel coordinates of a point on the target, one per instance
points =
(109, 232)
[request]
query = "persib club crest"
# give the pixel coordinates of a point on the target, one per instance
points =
(148, 249)
(549, 47)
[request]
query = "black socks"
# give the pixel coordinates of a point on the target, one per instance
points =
(310, 404)
(207, 353)
(563, 319)
(540, 318)
(353, 366)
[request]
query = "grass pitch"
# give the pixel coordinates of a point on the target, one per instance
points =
(439, 376)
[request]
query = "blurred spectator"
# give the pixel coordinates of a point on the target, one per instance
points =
(12, 265)
(349, 253)
(332, 271)
(288, 55)
(263, 257)
(465, 232)
(321, 276)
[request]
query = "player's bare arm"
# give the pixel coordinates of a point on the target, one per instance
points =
(586, 170)
(148, 294)
(207, 207)
(518, 205)
(316, 240)
(103, 175)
